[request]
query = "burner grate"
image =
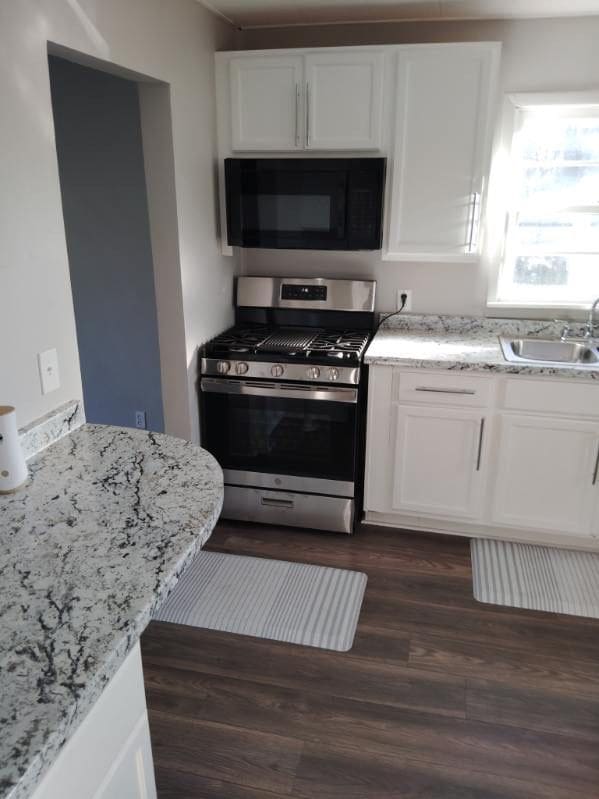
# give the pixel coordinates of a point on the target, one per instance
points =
(344, 341)
(286, 340)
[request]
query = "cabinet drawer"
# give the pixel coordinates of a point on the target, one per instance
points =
(443, 388)
(568, 397)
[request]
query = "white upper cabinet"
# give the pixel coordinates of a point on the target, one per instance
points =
(444, 105)
(344, 98)
(427, 108)
(329, 100)
(266, 103)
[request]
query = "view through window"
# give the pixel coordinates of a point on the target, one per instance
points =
(552, 244)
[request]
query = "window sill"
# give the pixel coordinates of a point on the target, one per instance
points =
(539, 310)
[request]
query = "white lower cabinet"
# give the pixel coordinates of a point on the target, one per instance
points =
(504, 456)
(546, 476)
(109, 756)
(438, 461)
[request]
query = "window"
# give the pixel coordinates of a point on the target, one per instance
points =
(551, 246)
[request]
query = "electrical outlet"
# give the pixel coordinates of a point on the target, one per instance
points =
(140, 419)
(408, 293)
(47, 362)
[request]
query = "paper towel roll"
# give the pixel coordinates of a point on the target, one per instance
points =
(13, 469)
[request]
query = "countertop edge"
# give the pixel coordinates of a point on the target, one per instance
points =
(483, 366)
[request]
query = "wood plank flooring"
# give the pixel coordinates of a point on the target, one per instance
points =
(440, 698)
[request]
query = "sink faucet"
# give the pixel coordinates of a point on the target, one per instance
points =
(590, 325)
(566, 329)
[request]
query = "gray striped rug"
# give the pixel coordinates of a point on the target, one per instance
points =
(292, 602)
(534, 577)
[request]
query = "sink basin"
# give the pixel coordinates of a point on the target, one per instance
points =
(549, 351)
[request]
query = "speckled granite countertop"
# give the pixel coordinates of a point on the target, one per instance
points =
(463, 344)
(88, 550)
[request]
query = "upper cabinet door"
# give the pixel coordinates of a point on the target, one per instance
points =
(266, 103)
(445, 100)
(343, 95)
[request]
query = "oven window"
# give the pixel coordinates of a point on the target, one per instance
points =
(281, 436)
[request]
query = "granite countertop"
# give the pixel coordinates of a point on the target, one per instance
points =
(463, 344)
(90, 547)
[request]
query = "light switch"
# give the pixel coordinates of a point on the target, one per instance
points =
(49, 375)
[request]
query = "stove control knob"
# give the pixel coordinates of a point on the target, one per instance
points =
(222, 367)
(241, 368)
(333, 373)
(277, 370)
(313, 372)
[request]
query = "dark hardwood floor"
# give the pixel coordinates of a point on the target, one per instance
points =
(440, 698)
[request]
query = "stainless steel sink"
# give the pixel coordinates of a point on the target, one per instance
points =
(550, 351)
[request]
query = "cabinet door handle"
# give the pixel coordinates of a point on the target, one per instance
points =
(596, 469)
(472, 238)
(297, 104)
(480, 444)
(307, 114)
(434, 390)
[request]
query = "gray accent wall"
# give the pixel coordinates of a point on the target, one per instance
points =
(102, 180)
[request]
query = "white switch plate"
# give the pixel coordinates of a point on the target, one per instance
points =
(49, 374)
(408, 305)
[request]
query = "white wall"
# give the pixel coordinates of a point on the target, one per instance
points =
(538, 55)
(170, 41)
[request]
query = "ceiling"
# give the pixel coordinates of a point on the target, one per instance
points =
(273, 13)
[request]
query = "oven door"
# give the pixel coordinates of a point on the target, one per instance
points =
(282, 435)
(287, 203)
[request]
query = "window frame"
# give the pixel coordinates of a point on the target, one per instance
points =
(500, 205)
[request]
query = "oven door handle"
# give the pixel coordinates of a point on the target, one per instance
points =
(279, 390)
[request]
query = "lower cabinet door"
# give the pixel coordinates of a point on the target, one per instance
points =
(439, 466)
(109, 756)
(546, 474)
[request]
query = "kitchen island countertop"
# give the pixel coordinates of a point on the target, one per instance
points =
(90, 547)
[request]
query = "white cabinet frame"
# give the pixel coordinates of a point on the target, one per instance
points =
(537, 479)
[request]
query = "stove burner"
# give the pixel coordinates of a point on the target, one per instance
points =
(290, 343)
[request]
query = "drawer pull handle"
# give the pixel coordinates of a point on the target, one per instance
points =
(433, 390)
(480, 444)
(276, 503)
(596, 469)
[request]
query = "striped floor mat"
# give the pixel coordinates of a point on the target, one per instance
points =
(535, 577)
(292, 602)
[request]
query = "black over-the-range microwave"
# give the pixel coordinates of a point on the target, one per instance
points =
(305, 203)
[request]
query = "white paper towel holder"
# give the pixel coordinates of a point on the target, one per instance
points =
(13, 469)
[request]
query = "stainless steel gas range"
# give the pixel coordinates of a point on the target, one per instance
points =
(282, 397)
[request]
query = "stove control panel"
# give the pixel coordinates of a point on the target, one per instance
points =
(295, 291)
(265, 370)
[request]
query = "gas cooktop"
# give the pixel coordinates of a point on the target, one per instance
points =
(289, 344)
